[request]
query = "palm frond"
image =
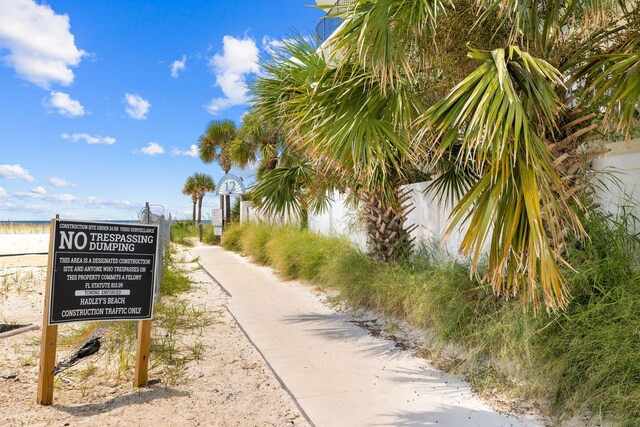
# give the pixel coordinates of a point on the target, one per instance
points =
(284, 190)
(377, 34)
(519, 206)
(619, 85)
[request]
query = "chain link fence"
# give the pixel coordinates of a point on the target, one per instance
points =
(154, 214)
(328, 24)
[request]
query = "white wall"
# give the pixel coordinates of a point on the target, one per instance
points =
(624, 162)
(338, 220)
(431, 217)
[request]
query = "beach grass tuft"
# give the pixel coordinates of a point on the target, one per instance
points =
(580, 362)
(23, 228)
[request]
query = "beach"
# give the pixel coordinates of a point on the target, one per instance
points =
(227, 384)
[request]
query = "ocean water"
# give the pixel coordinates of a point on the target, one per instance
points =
(46, 222)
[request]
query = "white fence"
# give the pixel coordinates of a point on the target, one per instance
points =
(624, 162)
(431, 217)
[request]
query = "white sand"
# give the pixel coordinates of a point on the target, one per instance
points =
(230, 386)
(23, 243)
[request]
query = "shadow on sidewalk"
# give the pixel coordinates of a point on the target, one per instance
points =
(343, 327)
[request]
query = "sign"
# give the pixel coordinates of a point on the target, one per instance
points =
(231, 184)
(216, 218)
(217, 231)
(102, 271)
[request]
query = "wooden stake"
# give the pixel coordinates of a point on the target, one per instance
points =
(141, 375)
(49, 335)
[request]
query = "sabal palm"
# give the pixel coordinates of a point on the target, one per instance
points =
(513, 125)
(258, 140)
(505, 137)
(189, 189)
(202, 184)
(214, 144)
(346, 127)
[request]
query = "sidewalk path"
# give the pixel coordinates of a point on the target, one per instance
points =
(338, 374)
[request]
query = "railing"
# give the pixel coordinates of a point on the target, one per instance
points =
(146, 216)
(329, 24)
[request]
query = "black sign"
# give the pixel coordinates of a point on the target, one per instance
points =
(102, 271)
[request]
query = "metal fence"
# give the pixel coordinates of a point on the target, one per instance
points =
(148, 216)
(329, 24)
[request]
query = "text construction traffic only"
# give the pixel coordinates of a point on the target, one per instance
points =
(102, 271)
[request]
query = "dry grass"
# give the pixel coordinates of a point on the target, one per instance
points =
(23, 228)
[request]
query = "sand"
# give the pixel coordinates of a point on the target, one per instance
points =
(230, 385)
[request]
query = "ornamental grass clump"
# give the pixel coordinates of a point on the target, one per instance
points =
(580, 362)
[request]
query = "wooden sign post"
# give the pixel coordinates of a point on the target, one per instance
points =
(143, 344)
(98, 271)
(49, 337)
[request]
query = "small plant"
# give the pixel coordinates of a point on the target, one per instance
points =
(581, 361)
(23, 228)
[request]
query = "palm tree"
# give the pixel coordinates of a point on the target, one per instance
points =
(189, 189)
(202, 184)
(258, 140)
(215, 145)
(347, 127)
(503, 130)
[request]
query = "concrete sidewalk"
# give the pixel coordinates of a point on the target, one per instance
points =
(338, 374)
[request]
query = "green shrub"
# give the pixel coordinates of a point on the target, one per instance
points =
(231, 236)
(300, 253)
(183, 231)
(592, 349)
(583, 360)
(254, 241)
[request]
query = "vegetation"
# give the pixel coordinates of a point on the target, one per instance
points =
(187, 233)
(189, 189)
(215, 145)
(174, 319)
(494, 101)
(23, 228)
(197, 186)
(582, 361)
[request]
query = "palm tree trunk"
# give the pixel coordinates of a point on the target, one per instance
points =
(200, 209)
(228, 207)
(388, 239)
(222, 207)
(194, 209)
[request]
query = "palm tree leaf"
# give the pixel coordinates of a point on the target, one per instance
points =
(377, 33)
(493, 120)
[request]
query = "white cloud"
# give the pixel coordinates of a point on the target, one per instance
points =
(39, 190)
(64, 104)
(192, 152)
(60, 182)
(177, 66)
(41, 48)
(15, 172)
(3, 192)
(270, 45)
(137, 107)
(38, 208)
(152, 149)
(89, 139)
(239, 59)
(61, 198)
(92, 202)
(55, 198)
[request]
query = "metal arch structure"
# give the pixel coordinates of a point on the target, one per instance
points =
(231, 184)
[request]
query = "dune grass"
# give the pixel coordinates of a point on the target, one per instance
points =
(583, 360)
(186, 233)
(23, 228)
(173, 320)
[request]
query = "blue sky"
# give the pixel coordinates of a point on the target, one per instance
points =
(101, 101)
